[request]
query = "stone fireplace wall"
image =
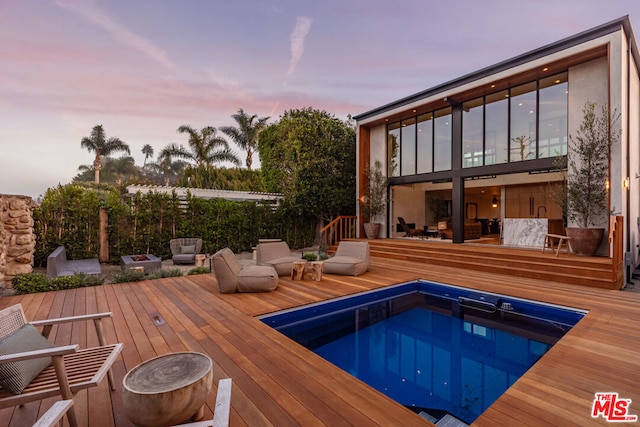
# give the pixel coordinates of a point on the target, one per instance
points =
(17, 238)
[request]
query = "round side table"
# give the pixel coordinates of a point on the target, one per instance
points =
(168, 389)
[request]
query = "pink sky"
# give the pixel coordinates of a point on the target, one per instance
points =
(143, 68)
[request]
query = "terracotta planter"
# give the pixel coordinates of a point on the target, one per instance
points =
(585, 241)
(372, 229)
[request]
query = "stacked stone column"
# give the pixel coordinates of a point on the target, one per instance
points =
(17, 238)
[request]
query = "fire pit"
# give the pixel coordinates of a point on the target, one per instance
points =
(148, 262)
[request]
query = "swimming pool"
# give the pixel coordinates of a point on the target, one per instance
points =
(440, 350)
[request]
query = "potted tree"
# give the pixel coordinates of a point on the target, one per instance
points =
(587, 174)
(373, 202)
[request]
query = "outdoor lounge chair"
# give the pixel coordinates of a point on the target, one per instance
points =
(277, 255)
(409, 232)
(232, 277)
(222, 408)
(184, 250)
(32, 368)
(351, 259)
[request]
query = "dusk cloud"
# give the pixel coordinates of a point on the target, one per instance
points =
(297, 37)
(118, 32)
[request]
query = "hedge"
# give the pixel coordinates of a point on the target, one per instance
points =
(145, 223)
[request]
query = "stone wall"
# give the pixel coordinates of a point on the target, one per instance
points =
(17, 238)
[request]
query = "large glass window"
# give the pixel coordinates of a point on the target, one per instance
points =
(553, 108)
(393, 143)
(408, 150)
(472, 131)
(496, 131)
(425, 143)
(442, 140)
(523, 122)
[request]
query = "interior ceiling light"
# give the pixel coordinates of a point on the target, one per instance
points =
(545, 69)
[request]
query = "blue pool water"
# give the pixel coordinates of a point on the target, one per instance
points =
(434, 348)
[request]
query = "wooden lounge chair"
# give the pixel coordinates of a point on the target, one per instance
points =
(31, 368)
(409, 232)
(54, 415)
(223, 406)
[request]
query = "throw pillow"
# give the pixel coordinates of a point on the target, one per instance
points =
(15, 376)
(188, 249)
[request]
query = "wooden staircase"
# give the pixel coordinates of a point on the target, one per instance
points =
(530, 263)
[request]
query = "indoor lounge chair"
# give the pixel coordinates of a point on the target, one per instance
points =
(351, 259)
(409, 232)
(232, 277)
(32, 368)
(277, 255)
(184, 250)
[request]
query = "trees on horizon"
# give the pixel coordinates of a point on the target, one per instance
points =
(98, 143)
(245, 134)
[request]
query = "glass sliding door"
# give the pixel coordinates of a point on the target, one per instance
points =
(523, 122)
(442, 140)
(554, 94)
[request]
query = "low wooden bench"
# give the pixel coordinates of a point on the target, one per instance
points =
(549, 240)
(58, 264)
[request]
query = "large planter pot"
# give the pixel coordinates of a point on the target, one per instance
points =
(372, 229)
(585, 241)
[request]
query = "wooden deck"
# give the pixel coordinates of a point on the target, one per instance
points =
(277, 382)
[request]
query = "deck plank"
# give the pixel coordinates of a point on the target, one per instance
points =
(278, 383)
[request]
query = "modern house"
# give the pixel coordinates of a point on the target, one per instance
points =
(484, 147)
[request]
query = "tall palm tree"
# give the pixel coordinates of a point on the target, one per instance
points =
(205, 147)
(246, 133)
(99, 144)
(147, 150)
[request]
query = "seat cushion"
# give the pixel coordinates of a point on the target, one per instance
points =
(15, 376)
(282, 265)
(345, 265)
(257, 278)
(184, 259)
(226, 269)
(266, 252)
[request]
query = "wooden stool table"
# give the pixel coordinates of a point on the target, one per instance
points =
(200, 260)
(316, 269)
(297, 270)
(167, 390)
(549, 240)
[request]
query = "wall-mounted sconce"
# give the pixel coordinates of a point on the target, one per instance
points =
(606, 184)
(625, 183)
(494, 202)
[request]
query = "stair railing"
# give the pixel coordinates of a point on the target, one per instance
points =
(343, 227)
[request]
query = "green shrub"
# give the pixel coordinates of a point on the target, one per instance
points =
(199, 270)
(29, 283)
(159, 274)
(128, 275)
(323, 256)
(310, 256)
(65, 282)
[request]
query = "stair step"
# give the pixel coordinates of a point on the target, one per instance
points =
(596, 272)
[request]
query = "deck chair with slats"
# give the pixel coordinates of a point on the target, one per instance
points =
(223, 406)
(32, 369)
(54, 415)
